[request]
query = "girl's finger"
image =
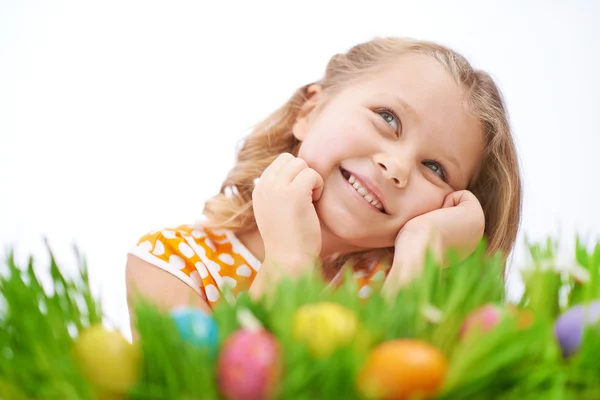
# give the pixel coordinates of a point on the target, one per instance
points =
(288, 172)
(273, 169)
(309, 181)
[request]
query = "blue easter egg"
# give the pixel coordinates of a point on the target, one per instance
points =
(196, 327)
(570, 325)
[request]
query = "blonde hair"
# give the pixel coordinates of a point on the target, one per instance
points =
(497, 185)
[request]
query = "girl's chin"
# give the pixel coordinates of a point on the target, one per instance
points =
(353, 226)
(355, 237)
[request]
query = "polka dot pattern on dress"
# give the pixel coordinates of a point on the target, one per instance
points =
(159, 248)
(186, 250)
(176, 261)
(226, 258)
(244, 270)
(208, 261)
(169, 234)
(205, 258)
(145, 245)
(201, 268)
(212, 293)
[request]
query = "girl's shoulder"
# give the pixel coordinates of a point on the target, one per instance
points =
(210, 261)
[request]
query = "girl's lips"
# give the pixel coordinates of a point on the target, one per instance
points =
(367, 184)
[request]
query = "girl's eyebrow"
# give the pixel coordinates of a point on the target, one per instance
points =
(397, 99)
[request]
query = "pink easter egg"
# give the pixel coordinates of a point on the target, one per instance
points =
(249, 365)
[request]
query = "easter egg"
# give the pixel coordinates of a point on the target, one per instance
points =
(196, 327)
(107, 359)
(402, 368)
(482, 320)
(249, 365)
(325, 326)
(570, 325)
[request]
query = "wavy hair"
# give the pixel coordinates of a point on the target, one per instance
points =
(497, 185)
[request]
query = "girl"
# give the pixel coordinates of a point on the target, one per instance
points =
(401, 147)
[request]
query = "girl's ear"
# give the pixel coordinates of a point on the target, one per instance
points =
(302, 119)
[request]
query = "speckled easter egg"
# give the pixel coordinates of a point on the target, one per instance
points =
(196, 327)
(324, 326)
(249, 365)
(570, 325)
(107, 359)
(402, 369)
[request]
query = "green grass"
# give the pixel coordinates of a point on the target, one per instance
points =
(38, 329)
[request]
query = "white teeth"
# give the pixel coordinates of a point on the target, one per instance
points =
(363, 192)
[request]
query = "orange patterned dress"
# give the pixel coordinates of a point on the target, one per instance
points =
(214, 262)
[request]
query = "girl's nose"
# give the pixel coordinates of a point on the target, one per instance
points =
(395, 169)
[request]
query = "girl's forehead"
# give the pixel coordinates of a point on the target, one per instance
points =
(413, 73)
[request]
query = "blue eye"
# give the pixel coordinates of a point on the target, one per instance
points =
(437, 168)
(389, 117)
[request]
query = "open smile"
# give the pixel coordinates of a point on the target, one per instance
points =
(364, 189)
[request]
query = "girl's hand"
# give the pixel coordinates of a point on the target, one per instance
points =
(286, 217)
(458, 225)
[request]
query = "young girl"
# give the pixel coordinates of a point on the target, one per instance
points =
(401, 147)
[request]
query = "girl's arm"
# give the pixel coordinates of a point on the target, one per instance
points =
(409, 258)
(154, 284)
(458, 225)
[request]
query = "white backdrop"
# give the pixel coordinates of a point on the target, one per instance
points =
(118, 117)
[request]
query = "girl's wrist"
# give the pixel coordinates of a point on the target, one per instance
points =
(291, 264)
(411, 248)
(420, 238)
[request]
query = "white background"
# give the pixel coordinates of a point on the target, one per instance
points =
(118, 117)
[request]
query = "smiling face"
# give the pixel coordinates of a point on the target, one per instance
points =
(389, 148)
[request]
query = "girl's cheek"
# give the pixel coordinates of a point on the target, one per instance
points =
(325, 151)
(427, 198)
